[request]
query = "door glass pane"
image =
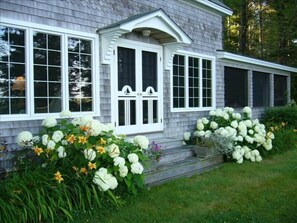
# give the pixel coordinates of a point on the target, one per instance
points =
(132, 112)
(155, 111)
(145, 112)
(126, 112)
(121, 112)
(149, 70)
(126, 68)
(149, 111)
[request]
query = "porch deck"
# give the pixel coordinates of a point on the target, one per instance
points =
(179, 161)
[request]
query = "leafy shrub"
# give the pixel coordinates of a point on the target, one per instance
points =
(277, 115)
(237, 136)
(78, 164)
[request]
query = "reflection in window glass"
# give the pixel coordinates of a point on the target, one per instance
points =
(12, 71)
(206, 82)
(126, 68)
(80, 74)
(192, 82)
(47, 73)
(178, 81)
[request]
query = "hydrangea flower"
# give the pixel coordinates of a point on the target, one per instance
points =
(57, 136)
(113, 151)
(187, 136)
(123, 171)
(141, 141)
(133, 158)
(25, 139)
(136, 168)
(65, 114)
(49, 122)
(119, 161)
(90, 154)
(105, 180)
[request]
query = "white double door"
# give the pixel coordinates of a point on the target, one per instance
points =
(137, 87)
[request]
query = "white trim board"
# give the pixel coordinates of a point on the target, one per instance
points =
(238, 58)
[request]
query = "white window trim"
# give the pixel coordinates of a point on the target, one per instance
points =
(64, 33)
(213, 84)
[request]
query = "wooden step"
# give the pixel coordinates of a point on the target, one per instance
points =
(175, 154)
(182, 168)
(167, 142)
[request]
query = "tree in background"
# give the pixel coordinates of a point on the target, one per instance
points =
(264, 29)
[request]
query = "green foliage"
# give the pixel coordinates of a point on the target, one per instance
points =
(236, 136)
(285, 139)
(278, 115)
(264, 29)
(246, 193)
(77, 165)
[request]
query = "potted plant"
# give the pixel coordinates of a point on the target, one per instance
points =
(154, 153)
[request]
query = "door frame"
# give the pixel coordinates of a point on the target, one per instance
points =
(139, 127)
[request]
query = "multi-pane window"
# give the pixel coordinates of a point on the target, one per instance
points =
(47, 73)
(206, 83)
(179, 81)
(280, 90)
(193, 82)
(35, 76)
(261, 89)
(12, 71)
(236, 87)
(192, 79)
(80, 74)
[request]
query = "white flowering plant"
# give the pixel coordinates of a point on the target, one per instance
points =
(85, 149)
(246, 137)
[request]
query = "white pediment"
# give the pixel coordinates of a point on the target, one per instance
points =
(166, 31)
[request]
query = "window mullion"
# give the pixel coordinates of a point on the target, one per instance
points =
(29, 68)
(186, 81)
(65, 73)
(200, 83)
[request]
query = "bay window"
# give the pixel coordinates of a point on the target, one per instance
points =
(45, 72)
(192, 82)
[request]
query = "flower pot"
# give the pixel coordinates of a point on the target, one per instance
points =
(204, 152)
(151, 165)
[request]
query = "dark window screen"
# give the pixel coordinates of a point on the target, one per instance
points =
(280, 89)
(261, 90)
(236, 94)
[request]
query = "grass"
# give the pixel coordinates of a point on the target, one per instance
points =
(248, 192)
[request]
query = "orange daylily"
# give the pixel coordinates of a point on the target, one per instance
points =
(100, 149)
(71, 139)
(58, 177)
(84, 170)
(92, 165)
(38, 150)
(82, 139)
(84, 128)
(102, 141)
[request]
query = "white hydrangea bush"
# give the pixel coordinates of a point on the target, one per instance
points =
(85, 148)
(248, 136)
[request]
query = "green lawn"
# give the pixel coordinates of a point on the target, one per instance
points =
(248, 192)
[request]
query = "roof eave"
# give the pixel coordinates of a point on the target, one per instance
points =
(235, 57)
(212, 5)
